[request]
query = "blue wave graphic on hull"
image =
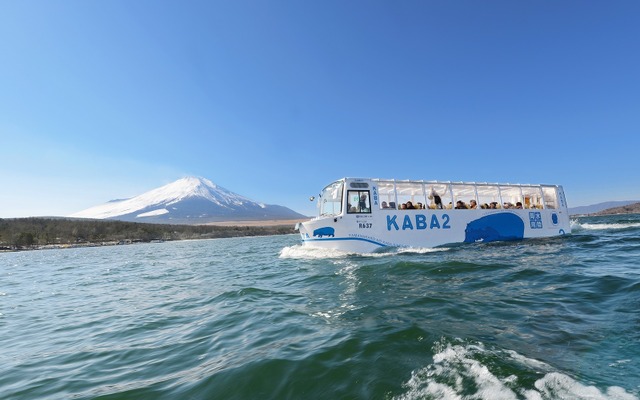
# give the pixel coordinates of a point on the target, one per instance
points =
(490, 228)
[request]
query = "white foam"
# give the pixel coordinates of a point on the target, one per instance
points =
(309, 253)
(575, 225)
(559, 386)
(421, 250)
(615, 364)
(456, 372)
(529, 362)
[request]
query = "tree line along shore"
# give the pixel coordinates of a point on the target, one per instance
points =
(41, 233)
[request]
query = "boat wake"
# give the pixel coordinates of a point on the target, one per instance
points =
(310, 253)
(470, 371)
(594, 226)
(420, 250)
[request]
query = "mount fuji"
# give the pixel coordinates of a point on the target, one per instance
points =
(188, 200)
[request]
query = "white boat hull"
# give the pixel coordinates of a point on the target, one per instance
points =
(430, 228)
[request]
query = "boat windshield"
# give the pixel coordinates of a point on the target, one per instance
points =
(330, 201)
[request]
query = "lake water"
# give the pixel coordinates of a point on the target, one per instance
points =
(263, 318)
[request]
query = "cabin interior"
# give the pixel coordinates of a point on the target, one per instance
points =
(396, 194)
(392, 194)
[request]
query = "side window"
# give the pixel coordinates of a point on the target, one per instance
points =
(549, 197)
(358, 201)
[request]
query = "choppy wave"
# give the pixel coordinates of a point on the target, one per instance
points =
(265, 317)
(471, 371)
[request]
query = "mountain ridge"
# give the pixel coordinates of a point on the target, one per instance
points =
(596, 208)
(189, 200)
(633, 208)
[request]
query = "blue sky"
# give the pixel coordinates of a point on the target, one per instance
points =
(275, 99)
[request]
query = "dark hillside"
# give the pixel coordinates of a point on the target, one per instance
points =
(31, 233)
(628, 209)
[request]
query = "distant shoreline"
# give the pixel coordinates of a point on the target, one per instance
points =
(628, 209)
(266, 223)
(21, 234)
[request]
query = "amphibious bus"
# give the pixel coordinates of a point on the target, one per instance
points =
(363, 215)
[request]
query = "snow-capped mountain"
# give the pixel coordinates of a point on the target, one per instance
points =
(188, 200)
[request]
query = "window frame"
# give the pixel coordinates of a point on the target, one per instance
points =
(358, 210)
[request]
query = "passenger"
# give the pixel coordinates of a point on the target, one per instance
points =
(362, 204)
(493, 205)
(403, 206)
(410, 206)
(473, 205)
(484, 206)
(436, 198)
(420, 206)
(384, 204)
(460, 205)
(507, 205)
(519, 205)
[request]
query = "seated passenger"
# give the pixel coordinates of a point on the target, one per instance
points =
(460, 205)
(473, 205)
(493, 205)
(403, 206)
(410, 206)
(384, 204)
(484, 206)
(419, 206)
(519, 205)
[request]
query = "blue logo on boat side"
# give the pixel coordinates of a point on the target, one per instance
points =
(503, 226)
(324, 231)
(554, 218)
(419, 222)
(535, 218)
